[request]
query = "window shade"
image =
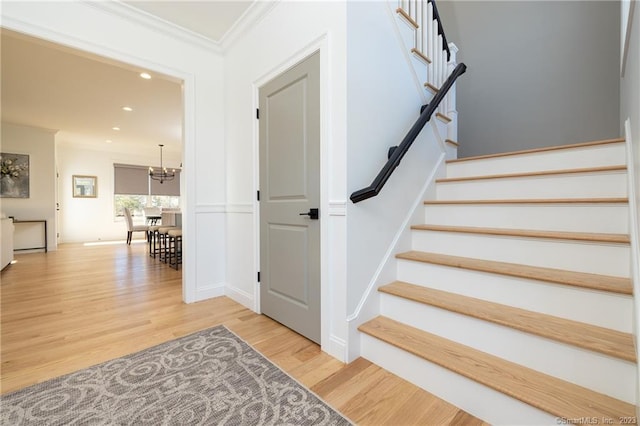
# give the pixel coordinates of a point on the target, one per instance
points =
(171, 187)
(131, 180)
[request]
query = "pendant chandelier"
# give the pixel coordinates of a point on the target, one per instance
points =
(162, 175)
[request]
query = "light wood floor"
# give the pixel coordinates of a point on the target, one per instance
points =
(83, 305)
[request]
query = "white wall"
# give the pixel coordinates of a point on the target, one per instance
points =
(41, 204)
(287, 34)
(93, 219)
(383, 103)
(385, 93)
(541, 73)
(105, 29)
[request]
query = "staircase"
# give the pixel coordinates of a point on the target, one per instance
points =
(515, 302)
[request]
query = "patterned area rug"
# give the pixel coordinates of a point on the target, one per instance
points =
(207, 378)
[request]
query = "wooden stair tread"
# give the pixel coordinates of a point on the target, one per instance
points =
(533, 174)
(534, 150)
(599, 339)
(555, 396)
(431, 87)
(578, 279)
(406, 16)
(535, 201)
(443, 118)
(577, 236)
(421, 55)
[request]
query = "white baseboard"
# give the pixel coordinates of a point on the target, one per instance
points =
(240, 296)
(208, 292)
(337, 348)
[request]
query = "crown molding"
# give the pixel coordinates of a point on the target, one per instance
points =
(154, 23)
(252, 16)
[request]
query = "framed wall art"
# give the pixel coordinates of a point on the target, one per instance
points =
(14, 175)
(85, 186)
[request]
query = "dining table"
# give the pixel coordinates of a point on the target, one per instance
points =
(153, 219)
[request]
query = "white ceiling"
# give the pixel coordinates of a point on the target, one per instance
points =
(81, 95)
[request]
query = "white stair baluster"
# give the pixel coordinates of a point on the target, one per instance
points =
(429, 36)
(434, 64)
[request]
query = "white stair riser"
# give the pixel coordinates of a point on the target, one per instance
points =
(605, 309)
(577, 185)
(580, 256)
(603, 218)
(478, 400)
(575, 158)
(602, 373)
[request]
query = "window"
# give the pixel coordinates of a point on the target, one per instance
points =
(135, 203)
(135, 190)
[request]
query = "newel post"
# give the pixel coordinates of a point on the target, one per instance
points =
(452, 112)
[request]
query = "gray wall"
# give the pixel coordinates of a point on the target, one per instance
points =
(540, 73)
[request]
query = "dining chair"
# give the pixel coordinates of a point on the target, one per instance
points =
(131, 228)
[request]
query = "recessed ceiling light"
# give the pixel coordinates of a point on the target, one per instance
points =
(116, 128)
(127, 108)
(145, 75)
(108, 141)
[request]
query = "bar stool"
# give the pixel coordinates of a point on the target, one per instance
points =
(163, 242)
(154, 241)
(175, 247)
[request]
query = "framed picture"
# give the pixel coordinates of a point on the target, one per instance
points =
(14, 175)
(85, 186)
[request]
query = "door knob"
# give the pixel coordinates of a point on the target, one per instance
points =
(312, 213)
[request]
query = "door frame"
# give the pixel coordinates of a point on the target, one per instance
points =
(187, 185)
(320, 45)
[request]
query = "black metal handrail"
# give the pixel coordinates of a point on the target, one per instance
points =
(395, 158)
(436, 16)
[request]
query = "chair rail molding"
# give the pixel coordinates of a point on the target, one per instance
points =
(210, 208)
(337, 208)
(245, 208)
